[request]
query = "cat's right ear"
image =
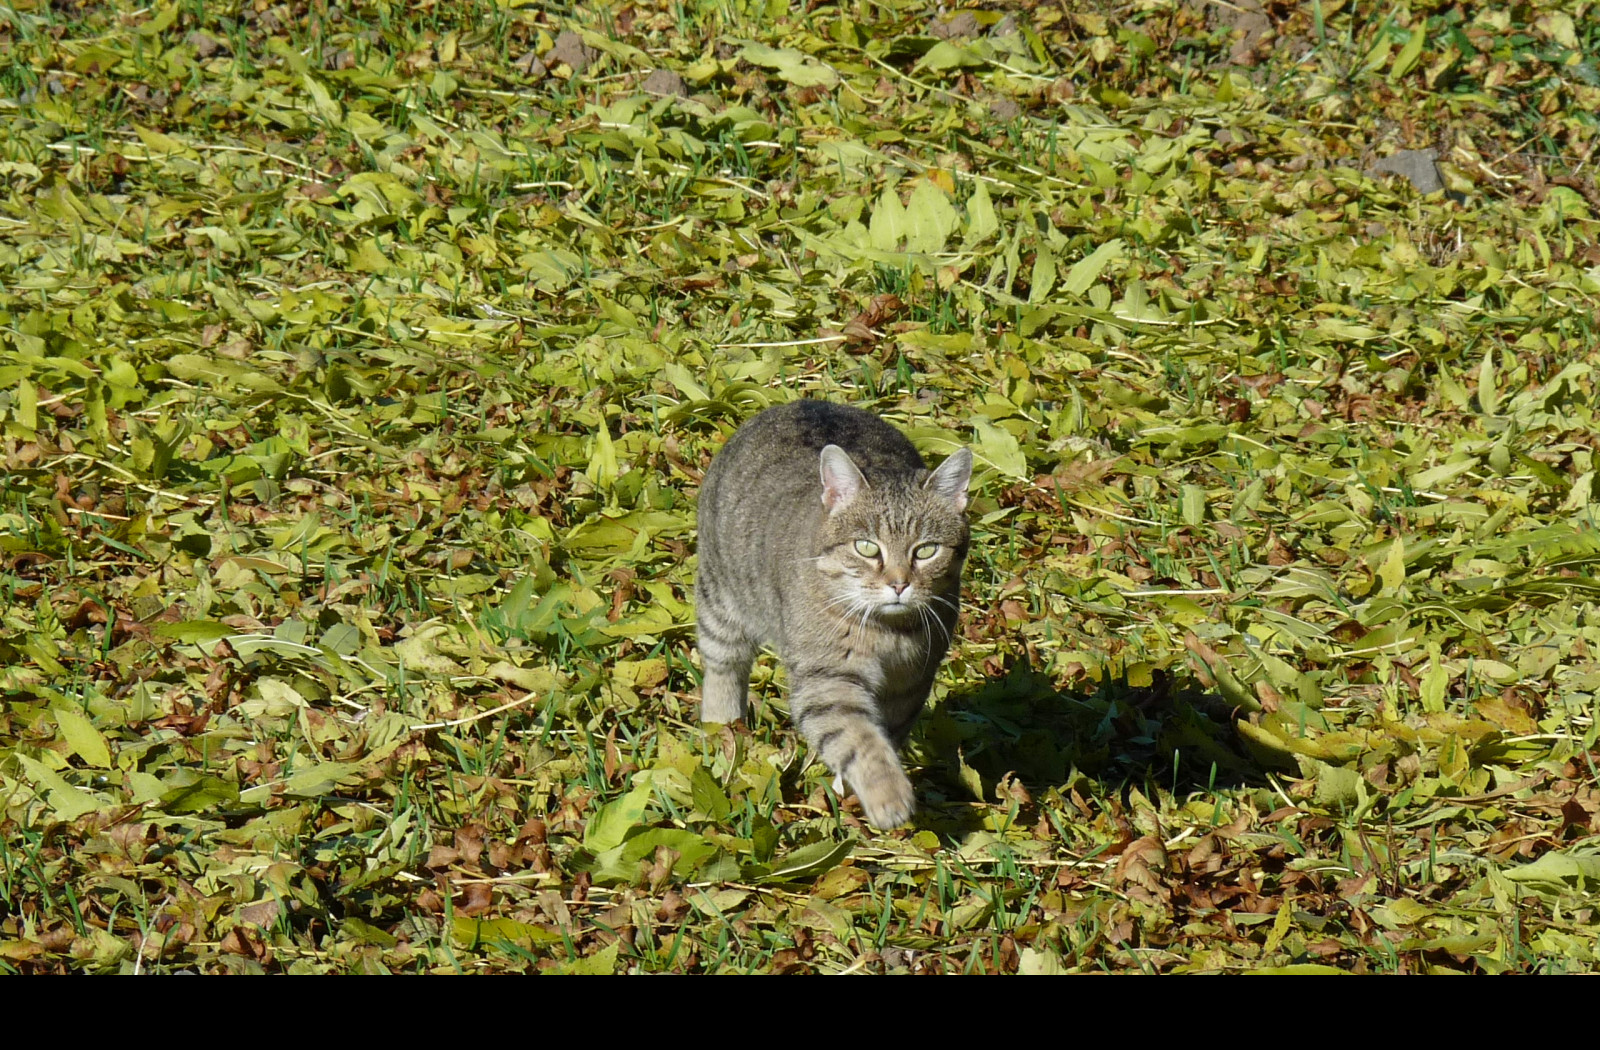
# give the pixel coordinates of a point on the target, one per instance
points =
(841, 478)
(953, 477)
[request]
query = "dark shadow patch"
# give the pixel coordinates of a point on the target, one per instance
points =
(1170, 734)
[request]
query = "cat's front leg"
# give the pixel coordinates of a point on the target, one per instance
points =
(836, 713)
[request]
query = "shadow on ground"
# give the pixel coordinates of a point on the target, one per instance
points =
(1169, 734)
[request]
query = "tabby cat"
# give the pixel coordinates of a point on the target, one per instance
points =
(824, 534)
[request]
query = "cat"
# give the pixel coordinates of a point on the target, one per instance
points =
(823, 534)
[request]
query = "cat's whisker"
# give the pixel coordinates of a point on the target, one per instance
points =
(851, 604)
(931, 619)
(864, 608)
(847, 610)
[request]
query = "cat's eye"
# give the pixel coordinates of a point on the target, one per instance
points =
(925, 551)
(866, 548)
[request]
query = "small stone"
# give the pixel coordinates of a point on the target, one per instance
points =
(204, 45)
(1417, 165)
(1004, 110)
(1247, 18)
(530, 64)
(665, 82)
(961, 26)
(571, 51)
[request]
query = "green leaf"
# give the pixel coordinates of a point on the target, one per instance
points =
(166, 17)
(1087, 270)
(602, 468)
(68, 802)
(685, 381)
(1040, 962)
(193, 631)
(793, 66)
(1559, 870)
(190, 792)
(251, 644)
(622, 863)
(1192, 505)
(1043, 277)
(945, 55)
(970, 779)
(1393, 570)
(709, 798)
(318, 780)
(83, 738)
(601, 963)
(930, 218)
(982, 222)
(999, 448)
(1338, 787)
(25, 406)
(329, 110)
(1488, 399)
(889, 226)
(1379, 55)
(1435, 683)
(808, 862)
(471, 933)
(612, 821)
(1409, 53)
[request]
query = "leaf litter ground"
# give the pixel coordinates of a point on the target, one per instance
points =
(358, 366)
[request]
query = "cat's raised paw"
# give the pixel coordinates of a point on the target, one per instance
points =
(887, 799)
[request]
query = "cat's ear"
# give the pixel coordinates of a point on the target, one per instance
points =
(841, 478)
(952, 478)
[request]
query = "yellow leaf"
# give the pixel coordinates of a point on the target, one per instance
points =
(1393, 570)
(1436, 683)
(68, 802)
(1408, 54)
(640, 674)
(84, 739)
(942, 179)
(1488, 400)
(602, 469)
(1280, 927)
(969, 777)
(25, 407)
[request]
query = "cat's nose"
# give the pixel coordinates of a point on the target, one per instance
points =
(899, 588)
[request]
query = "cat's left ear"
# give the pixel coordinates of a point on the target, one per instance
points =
(952, 478)
(841, 478)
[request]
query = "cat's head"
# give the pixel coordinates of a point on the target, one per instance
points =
(894, 551)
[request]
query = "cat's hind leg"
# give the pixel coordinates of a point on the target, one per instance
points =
(726, 656)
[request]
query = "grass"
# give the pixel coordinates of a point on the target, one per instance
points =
(358, 367)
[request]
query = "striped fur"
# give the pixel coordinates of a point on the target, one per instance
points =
(823, 534)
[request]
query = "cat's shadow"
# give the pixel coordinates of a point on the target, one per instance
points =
(1019, 729)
